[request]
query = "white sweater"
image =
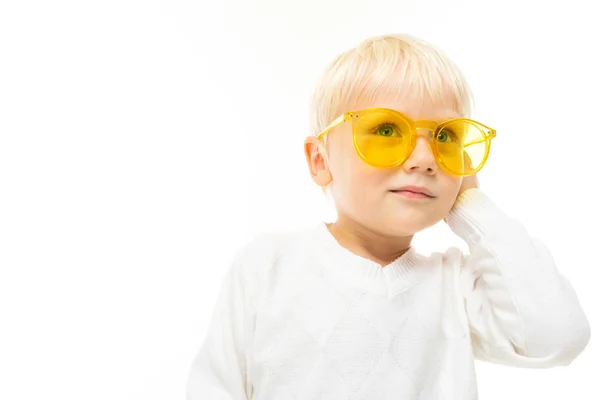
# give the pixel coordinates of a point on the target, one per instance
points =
(299, 317)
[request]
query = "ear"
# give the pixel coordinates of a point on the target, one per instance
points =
(317, 166)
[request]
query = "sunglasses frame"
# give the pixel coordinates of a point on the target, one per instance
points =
(434, 127)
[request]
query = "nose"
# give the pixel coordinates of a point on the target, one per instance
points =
(421, 159)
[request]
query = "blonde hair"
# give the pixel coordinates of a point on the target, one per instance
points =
(388, 65)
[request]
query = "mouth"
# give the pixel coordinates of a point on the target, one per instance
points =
(413, 192)
(411, 195)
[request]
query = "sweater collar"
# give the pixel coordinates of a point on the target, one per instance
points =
(396, 277)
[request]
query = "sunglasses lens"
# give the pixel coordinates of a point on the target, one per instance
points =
(462, 146)
(382, 138)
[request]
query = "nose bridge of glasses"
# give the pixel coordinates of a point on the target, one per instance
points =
(425, 128)
(426, 124)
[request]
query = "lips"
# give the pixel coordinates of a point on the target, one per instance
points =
(415, 190)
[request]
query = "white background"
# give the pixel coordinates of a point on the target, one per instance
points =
(142, 142)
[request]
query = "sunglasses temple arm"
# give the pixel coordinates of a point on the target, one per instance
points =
(333, 124)
(475, 142)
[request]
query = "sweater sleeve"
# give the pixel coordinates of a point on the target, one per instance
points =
(520, 309)
(219, 370)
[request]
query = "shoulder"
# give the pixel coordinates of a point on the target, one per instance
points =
(271, 258)
(266, 250)
(269, 245)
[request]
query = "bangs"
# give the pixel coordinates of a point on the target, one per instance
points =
(399, 66)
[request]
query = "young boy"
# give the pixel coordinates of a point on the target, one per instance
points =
(350, 310)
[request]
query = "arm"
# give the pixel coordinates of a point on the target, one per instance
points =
(521, 310)
(219, 369)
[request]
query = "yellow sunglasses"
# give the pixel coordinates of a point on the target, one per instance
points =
(385, 138)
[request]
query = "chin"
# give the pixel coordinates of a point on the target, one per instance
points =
(405, 227)
(399, 228)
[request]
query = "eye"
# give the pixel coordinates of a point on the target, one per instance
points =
(446, 136)
(387, 130)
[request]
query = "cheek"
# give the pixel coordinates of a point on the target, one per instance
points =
(357, 174)
(355, 183)
(450, 189)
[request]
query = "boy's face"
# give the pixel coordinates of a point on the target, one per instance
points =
(364, 194)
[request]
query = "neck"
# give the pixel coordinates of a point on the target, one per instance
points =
(368, 243)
